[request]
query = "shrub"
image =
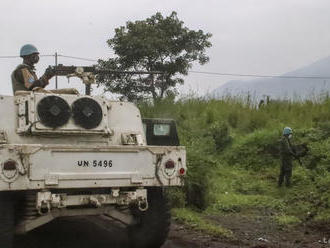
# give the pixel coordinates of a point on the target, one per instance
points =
(256, 150)
(233, 119)
(325, 128)
(256, 120)
(210, 117)
(176, 197)
(197, 184)
(220, 135)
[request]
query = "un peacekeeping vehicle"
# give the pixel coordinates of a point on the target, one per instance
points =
(67, 155)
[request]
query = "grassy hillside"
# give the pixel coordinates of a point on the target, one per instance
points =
(233, 158)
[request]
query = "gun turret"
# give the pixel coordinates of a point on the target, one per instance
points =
(87, 73)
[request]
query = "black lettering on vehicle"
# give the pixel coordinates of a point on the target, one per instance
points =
(107, 163)
(95, 163)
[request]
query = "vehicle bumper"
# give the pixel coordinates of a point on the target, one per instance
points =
(62, 167)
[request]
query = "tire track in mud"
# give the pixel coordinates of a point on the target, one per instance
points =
(82, 232)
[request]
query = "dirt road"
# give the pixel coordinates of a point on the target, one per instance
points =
(91, 232)
(96, 232)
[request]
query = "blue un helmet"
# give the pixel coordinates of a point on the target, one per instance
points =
(287, 131)
(28, 49)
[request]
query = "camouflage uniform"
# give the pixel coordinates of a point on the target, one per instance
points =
(287, 154)
(25, 78)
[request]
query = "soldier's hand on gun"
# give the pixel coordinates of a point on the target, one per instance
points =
(49, 73)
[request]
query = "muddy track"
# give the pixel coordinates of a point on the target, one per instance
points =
(96, 232)
(83, 232)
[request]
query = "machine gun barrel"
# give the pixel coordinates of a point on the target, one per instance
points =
(62, 70)
(127, 72)
(87, 73)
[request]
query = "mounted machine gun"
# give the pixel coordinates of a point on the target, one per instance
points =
(87, 73)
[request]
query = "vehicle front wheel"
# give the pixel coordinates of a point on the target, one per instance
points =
(6, 220)
(152, 226)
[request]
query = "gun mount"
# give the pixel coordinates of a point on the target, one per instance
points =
(87, 73)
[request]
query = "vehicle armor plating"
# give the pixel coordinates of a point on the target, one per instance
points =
(69, 155)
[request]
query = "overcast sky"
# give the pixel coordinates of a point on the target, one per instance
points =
(249, 36)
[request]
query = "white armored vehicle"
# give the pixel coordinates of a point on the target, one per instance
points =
(69, 155)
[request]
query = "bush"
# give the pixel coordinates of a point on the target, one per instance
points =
(220, 135)
(256, 151)
(233, 119)
(197, 183)
(325, 128)
(176, 197)
(256, 120)
(210, 117)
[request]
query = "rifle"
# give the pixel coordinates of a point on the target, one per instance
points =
(296, 154)
(87, 73)
(300, 151)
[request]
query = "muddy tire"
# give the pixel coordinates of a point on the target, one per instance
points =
(152, 226)
(6, 220)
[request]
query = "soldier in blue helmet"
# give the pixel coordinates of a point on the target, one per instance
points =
(287, 154)
(24, 76)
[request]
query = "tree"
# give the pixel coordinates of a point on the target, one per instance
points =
(155, 44)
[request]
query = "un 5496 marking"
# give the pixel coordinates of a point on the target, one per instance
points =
(95, 163)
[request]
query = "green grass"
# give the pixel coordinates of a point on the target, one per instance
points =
(287, 220)
(235, 202)
(323, 216)
(196, 221)
(233, 159)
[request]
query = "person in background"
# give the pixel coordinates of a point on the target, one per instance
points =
(287, 154)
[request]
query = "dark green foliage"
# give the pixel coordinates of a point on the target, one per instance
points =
(325, 128)
(176, 197)
(198, 186)
(210, 117)
(257, 150)
(257, 120)
(243, 173)
(233, 119)
(220, 135)
(155, 44)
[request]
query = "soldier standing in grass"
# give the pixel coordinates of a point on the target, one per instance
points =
(287, 154)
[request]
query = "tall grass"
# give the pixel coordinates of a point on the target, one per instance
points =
(232, 151)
